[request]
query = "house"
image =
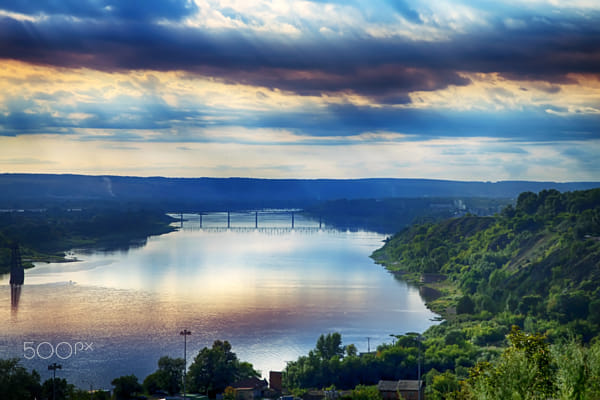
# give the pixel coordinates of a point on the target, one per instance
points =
(250, 389)
(276, 381)
(402, 389)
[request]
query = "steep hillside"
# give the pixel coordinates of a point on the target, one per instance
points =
(538, 262)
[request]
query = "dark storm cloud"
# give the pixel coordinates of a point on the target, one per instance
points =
(385, 69)
(348, 120)
(18, 123)
(25, 116)
(140, 10)
(122, 36)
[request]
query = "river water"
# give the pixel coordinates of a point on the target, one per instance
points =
(269, 291)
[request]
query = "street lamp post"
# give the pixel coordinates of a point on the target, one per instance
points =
(419, 338)
(53, 367)
(185, 333)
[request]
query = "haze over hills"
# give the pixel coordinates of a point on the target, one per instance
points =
(28, 190)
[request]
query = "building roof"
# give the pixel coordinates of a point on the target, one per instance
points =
(253, 383)
(409, 385)
(402, 385)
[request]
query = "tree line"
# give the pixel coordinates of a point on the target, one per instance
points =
(528, 368)
(47, 234)
(211, 372)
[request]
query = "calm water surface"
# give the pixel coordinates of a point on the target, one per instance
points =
(269, 291)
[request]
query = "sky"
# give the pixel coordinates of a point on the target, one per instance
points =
(442, 89)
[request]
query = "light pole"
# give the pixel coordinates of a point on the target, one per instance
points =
(418, 338)
(53, 367)
(185, 333)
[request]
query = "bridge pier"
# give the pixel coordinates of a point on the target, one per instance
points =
(15, 295)
(17, 272)
(292, 220)
(228, 220)
(256, 220)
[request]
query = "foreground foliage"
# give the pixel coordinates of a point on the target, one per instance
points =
(531, 369)
(16, 383)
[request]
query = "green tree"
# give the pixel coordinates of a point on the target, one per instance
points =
(578, 375)
(363, 392)
(171, 370)
(465, 305)
(153, 383)
(168, 377)
(351, 350)
(441, 386)
(527, 202)
(216, 368)
(524, 371)
(60, 386)
(16, 383)
(126, 387)
(330, 345)
(570, 306)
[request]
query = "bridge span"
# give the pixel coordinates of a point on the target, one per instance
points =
(278, 219)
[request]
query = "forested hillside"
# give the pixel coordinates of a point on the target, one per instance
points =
(539, 260)
(519, 293)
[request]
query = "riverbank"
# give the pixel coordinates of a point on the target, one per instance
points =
(46, 235)
(439, 293)
(531, 267)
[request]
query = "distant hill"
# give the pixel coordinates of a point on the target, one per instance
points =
(390, 215)
(30, 190)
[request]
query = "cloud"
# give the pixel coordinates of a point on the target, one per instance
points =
(406, 11)
(441, 85)
(137, 10)
(385, 69)
(149, 118)
(25, 161)
(585, 157)
(345, 120)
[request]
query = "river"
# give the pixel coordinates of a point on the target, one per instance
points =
(269, 291)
